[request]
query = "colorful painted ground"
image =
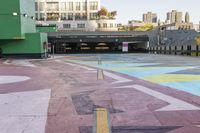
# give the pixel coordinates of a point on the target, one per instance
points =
(174, 73)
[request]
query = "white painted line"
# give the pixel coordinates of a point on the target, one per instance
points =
(7, 62)
(25, 63)
(12, 79)
(174, 104)
(197, 125)
(24, 111)
(76, 65)
(118, 78)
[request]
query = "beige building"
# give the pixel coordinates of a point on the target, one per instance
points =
(150, 17)
(178, 26)
(68, 14)
(174, 17)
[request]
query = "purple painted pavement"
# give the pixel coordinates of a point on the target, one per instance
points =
(76, 89)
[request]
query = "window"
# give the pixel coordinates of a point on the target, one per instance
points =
(77, 16)
(70, 16)
(99, 25)
(104, 25)
(63, 6)
(70, 6)
(52, 6)
(42, 16)
(53, 16)
(80, 25)
(63, 16)
(93, 16)
(94, 5)
(78, 6)
(84, 4)
(36, 16)
(36, 6)
(68, 26)
(84, 16)
(111, 25)
(41, 6)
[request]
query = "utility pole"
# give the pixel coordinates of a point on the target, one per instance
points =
(199, 26)
(159, 32)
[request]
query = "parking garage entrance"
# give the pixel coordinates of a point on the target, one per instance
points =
(97, 43)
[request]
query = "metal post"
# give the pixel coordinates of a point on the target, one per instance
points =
(53, 51)
(99, 61)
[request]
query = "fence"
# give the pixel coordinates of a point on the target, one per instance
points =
(187, 50)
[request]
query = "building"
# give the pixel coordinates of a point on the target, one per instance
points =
(150, 17)
(68, 14)
(18, 35)
(178, 26)
(187, 17)
(174, 17)
(197, 27)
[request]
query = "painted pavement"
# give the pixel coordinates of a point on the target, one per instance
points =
(139, 93)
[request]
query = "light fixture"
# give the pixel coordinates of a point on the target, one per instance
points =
(14, 14)
(25, 15)
(32, 17)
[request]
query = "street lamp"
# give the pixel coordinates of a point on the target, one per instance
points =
(32, 17)
(14, 14)
(25, 15)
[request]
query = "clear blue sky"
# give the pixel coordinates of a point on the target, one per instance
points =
(133, 9)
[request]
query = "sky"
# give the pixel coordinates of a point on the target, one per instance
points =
(133, 9)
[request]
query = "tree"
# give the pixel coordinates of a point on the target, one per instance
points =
(113, 13)
(197, 38)
(103, 12)
(146, 27)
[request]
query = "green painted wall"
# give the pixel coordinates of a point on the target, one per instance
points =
(9, 25)
(18, 34)
(27, 23)
(15, 27)
(33, 44)
(46, 29)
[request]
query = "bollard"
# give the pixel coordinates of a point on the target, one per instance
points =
(100, 75)
(99, 61)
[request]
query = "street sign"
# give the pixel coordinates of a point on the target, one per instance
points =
(125, 47)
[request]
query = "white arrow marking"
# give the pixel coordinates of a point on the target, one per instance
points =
(174, 104)
(118, 78)
(12, 79)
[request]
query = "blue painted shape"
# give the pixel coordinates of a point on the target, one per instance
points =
(192, 87)
(151, 72)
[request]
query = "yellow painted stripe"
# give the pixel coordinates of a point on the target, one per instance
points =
(172, 78)
(102, 125)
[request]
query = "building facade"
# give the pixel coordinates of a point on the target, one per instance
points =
(68, 14)
(174, 17)
(187, 17)
(150, 17)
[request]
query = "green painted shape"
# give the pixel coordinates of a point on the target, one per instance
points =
(15, 27)
(46, 29)
(33, 44)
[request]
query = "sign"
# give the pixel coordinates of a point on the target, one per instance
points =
(125, 47)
